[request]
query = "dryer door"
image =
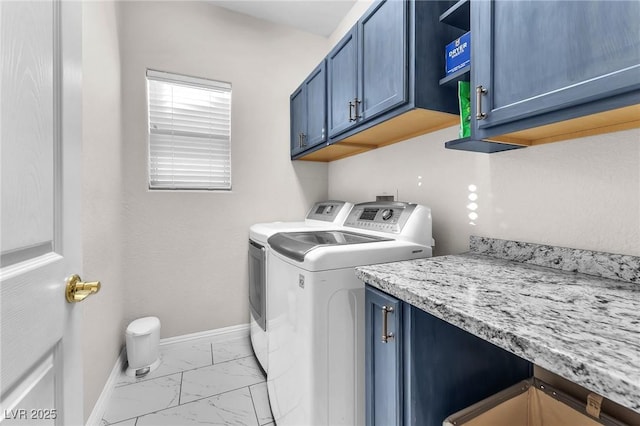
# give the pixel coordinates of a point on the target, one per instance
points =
(257, 283)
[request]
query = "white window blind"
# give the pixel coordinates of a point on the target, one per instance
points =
(189, 132)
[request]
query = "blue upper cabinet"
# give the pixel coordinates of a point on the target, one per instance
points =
(342, 88)
(383, 79)
(368, 68)
(308, 108)
(383, 59)
(544, 71)
(534, 58)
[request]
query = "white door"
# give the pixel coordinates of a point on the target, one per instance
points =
(40, 130)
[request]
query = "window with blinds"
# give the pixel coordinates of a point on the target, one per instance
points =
(189, 132)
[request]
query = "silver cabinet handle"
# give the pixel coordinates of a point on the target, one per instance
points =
(353, 110)
(301, 138)
(479, 92)
(386, 336)
(357, 102)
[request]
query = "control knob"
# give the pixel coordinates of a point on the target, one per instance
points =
(387, 214)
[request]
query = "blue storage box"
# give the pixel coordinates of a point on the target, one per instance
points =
(458, 54)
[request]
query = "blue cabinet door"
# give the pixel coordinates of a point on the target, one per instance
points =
(538, 59)
(342, 68)
(308, 109)
(316, 107)
(383, 58)
(383, 359)
(297, 108)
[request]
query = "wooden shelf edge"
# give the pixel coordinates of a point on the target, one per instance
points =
(609, 121)
(323, 156)
(410, 124)
(616, 127)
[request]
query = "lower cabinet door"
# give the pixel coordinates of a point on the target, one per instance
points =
(383, 375)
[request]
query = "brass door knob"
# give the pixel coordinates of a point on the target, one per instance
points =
(77, 290)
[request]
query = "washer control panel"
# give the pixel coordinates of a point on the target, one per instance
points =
(380, 216)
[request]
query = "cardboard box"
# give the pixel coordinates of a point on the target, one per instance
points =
(531, 402)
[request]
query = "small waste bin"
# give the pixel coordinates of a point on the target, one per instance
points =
(142, 339)
(528, 403)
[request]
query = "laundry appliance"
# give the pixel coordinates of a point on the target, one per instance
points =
(325, 214)
(316, 309)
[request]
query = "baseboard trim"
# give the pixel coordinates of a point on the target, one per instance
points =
(241, 330)
(95, 419)
(234, 331)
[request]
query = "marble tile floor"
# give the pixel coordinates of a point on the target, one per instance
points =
(213, 382)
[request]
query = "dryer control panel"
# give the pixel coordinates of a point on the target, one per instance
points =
(328, 211)
(380, 216)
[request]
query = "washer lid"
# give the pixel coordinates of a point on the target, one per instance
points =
(295, 245)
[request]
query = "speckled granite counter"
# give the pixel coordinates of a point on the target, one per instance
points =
(585, 328)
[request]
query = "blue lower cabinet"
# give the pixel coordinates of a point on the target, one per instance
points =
(429, 369)
(383, 358)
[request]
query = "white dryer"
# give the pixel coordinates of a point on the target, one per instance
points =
(316, 309)
(325, 214)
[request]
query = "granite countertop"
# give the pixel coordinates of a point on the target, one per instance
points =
(582, 326)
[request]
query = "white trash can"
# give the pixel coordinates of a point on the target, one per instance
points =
(142, 339)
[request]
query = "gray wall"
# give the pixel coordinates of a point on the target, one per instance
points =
(181, 255)
(102, 219)
(185, 253)
(583, 193)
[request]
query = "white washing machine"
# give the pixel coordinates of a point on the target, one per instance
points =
(325, 214)
(316, 309)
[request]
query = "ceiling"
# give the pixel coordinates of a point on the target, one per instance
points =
(319, 17)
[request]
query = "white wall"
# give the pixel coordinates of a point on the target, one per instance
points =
(583, 193)
(185, 255)
(356, 11)
(103, 314)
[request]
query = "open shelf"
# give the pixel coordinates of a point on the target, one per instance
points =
(458, 15)
(462, 74)
(479, 145)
